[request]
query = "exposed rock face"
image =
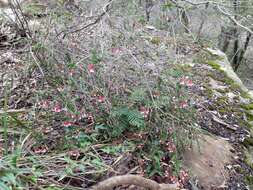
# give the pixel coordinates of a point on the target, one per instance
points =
(207, 160)
(226, 67)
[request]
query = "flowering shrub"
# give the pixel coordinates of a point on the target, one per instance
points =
(111, 85)
(94, 102)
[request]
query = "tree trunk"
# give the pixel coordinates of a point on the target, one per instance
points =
(148, 7)
(236, 40)
(242, 52)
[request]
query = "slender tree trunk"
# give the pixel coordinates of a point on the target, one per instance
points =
(148, 7)
(202, 22)
(185, 20)
(242, 52)
(236, 39)
(225, 38)
(235, 50)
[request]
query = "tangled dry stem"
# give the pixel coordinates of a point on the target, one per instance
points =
(136, 180)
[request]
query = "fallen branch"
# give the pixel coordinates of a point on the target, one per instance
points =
(136, 180)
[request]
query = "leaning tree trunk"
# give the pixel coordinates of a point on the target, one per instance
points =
(235, 62)
(185, 20)
(243, 50)
(225, 38)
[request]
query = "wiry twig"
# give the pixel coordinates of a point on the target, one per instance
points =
(222, 11)
(234, 20)
(99, 17)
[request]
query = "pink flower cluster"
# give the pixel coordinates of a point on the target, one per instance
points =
(185, 81)
(144, 111)
(181, 180)
(73, 118)
(170, 146)
(101, 99)
(68, 123)
(40, 150)
(184, 176)
(91, 68)
(183, 104)
(74, 154)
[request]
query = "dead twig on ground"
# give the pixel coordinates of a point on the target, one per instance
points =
(14, 111)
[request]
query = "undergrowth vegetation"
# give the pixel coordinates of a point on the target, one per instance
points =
(101, 97)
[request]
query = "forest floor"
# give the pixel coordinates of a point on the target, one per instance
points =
(118, 97)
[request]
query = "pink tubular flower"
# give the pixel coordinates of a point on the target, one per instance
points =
(68, 123)
(47, 130)
(189, 83)
(173, 179)
(185, 81)
(144, 111)
(184, 177)
(91, 68)
(74, 153)
(71, 72)
(101, 99)
(183, 104)
(182, 81)
(57, 108)
(41, 150)
(44, 104)
(171, 147)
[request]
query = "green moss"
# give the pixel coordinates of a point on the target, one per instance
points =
(214, 65)
(222, 91)
(249, 115)
(245, 95)
(156, 40)
(213, 56)
(249, 161)
(201, 57)
(249, 180)
(235, 87)
(248, 142)
(208, 92)
(247, 106)
(221, 100)
(249, 157)
(244, 123)
(221, 103)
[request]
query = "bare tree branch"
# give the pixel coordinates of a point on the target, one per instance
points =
(99, 17)
(222, 11)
